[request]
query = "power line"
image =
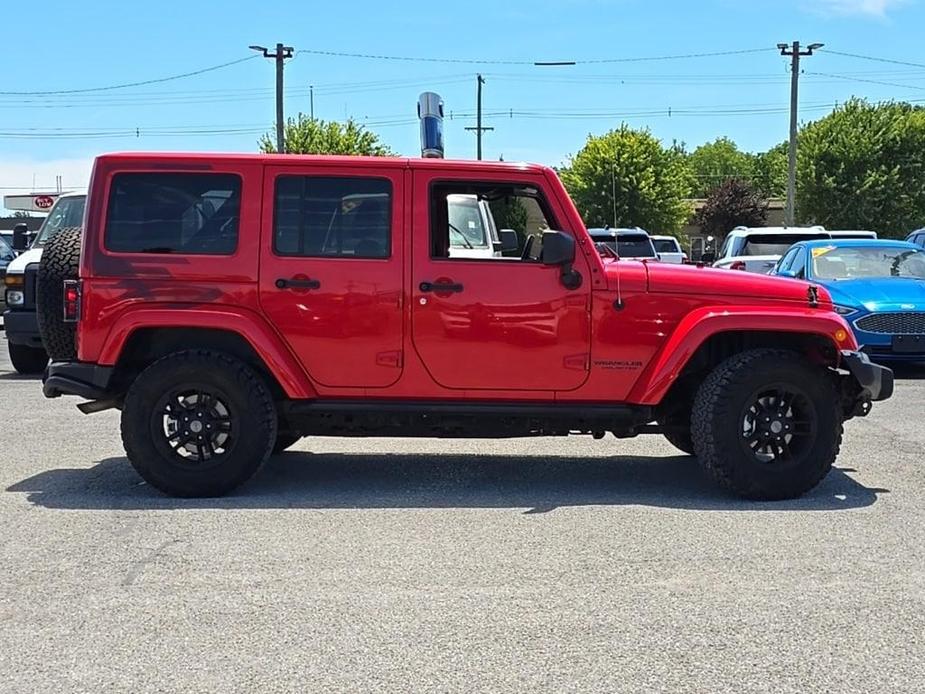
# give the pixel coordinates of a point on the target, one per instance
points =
(867, 81)
(481, 61)
(132, 84)
(874, 58)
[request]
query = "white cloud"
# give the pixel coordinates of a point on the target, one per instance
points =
(18, 176)
(865, 8)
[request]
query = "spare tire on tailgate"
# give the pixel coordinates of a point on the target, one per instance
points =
(60, 260)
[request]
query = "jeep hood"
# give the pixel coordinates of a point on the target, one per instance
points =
(706, 281)
(17, 266)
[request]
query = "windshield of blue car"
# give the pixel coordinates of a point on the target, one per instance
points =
(834, 263)
(67, 212)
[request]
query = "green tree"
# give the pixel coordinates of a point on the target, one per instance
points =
(732, 203)
(714, 162)
(651, 181)
(863, 167)
(304, 135)
(771, 171)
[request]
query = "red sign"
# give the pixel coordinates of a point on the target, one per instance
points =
(43, 202)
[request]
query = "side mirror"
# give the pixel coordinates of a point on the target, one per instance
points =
(559, 249)
(20, 237)
(787, 273)
(509, 240)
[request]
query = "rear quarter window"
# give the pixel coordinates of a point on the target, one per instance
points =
(185, 213)
(666, 246)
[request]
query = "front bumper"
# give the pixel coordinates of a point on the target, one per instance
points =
(89, 381)
(873, 382)
(22, 327)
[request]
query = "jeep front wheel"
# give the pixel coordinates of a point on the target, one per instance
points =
(198, 424)
(766, 424)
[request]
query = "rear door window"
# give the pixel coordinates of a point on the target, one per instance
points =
(326, 217)
(184, 213)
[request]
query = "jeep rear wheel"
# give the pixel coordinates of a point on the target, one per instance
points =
(60, 260)
(766, 424)
(27, 360)
(198, 424)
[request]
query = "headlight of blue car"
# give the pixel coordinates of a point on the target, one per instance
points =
(844, 310)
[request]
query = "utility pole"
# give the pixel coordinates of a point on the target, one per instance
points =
(478, 119)
(311, 100)
(795, 54)
(281, 54)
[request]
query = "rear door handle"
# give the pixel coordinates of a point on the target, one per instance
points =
(440, 287)
(297, 284)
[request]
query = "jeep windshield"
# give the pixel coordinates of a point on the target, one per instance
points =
(67, 212)
(626, 245)
(773, 244)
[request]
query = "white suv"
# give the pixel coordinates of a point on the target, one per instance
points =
(757, 249)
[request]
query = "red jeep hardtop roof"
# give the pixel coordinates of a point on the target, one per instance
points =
(134, 158)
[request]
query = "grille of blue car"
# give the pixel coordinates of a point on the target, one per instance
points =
(901, 323)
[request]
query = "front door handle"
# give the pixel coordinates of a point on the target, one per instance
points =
(297, 284)
(440, 287)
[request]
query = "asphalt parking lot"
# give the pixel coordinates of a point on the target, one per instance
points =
(400, 565)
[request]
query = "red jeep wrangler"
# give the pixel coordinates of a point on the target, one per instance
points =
(231, 304)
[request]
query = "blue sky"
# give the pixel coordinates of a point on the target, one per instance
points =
(78, 45)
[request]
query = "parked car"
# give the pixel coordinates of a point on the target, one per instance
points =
(669, 249)
(878, 286)
(231, 304)
(917, 237)
(757, 249)
(22, 330)
(6, 257)
(632, 243)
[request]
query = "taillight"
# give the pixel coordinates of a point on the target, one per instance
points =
(737, 265)
(71, 301)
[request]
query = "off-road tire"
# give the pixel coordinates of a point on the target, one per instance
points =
(718, 422)
(251, 414)
(60, 261)
(284, 441)
(29, 361)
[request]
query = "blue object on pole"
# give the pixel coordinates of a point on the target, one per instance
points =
(430, 112)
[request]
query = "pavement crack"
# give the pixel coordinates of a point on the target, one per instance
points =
(138, 566)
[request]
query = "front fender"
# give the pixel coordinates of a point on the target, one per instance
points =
(252, 327)
(701, 324)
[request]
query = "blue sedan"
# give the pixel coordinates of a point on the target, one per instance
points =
(877, 285)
